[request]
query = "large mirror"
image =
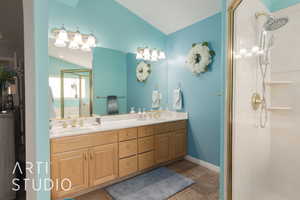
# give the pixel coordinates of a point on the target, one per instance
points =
(101, 81)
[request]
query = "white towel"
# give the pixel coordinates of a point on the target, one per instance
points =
(52, 114)
(177, 99)
(156, 98)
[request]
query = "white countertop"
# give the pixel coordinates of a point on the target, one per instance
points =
(113, 124)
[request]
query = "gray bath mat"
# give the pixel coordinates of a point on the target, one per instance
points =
(158, 184)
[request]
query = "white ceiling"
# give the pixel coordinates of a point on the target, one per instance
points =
(77, 57)
(172, 15)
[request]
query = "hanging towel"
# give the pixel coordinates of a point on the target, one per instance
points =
(177, 99)
(112, 105)
(156, 98)
(52, 114)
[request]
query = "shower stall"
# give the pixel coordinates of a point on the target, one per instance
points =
(263, 102)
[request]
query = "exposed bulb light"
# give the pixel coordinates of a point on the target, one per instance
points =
(255, 49)
(78, 38)
(139, 54)
(162, 55)
(74, 45)
(154, 55)
(62, 35)
(91, 41)
(60, 43)
(243, 51)
(147, 55)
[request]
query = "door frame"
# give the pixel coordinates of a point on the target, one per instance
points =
(229, 98)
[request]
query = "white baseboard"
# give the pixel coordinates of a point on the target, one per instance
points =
(203, 163)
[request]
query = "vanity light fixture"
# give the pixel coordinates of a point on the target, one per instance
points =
(148, 54)
(74, 40)
(91, 41)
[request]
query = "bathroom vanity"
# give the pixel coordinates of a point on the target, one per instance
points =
(114, 151)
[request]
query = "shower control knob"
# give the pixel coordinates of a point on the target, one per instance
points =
(256, 101)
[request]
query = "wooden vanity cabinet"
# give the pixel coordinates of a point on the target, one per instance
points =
(73, 166)
(92, 160)
(103, 164)
(162, 148)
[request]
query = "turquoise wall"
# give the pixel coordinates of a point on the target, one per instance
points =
(114, 25)
(140, 94)
(275, 5)
(200, 93)
(110, 78)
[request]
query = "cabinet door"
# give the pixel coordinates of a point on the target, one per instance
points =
(179, 144)
(72, 166)
(162, 148)
(103, 164)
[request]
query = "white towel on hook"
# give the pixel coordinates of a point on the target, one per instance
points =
(156, 98)
(177, 99)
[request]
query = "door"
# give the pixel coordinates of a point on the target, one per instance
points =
(71, 167)
(179, 143)
(162, 148)
(103, 164)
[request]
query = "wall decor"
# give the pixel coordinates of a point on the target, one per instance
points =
(74, 40)
(143, 70)
(150, 54)
(199, 57)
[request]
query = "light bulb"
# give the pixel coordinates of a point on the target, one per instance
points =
(60, 43)
(74, 45)
(63, 35)
(243, 51)
(91, 41)
(162, 55)
(154, 55)
(139, 56)
(146, 54)
(86, 47)
(78, 38)
(255, 49)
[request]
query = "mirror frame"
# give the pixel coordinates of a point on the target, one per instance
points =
(91, 95)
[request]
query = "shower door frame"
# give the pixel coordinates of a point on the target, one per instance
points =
(229, 99)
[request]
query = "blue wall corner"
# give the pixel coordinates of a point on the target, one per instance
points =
(200, 92)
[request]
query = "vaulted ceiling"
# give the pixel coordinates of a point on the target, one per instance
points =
(172, 15)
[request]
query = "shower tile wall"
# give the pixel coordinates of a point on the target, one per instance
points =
(285, 134)
(251, 145)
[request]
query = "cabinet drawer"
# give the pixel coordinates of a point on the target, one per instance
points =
(103, 138)
(127, 166)
(127, 134)
(180, 125)
(164, 128)
(146, 160)
(145, 131)
(145, 144)
(127, 148)
(66, 144)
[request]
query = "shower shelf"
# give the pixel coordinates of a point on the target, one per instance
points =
(279, 108)
(279, 82)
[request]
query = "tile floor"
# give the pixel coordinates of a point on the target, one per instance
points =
(205, 188)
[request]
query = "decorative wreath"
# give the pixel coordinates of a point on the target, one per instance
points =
(199, 57)
(143, 70)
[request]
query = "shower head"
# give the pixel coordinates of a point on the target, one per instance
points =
(273, 23)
